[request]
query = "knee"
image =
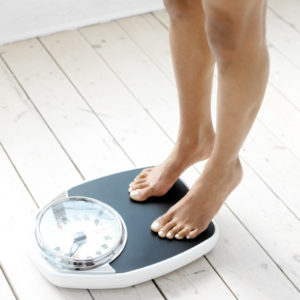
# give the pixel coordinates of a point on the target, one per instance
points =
(223, 35)
(179, 10)
(231, 36)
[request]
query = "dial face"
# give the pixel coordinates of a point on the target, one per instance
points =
(78, 229)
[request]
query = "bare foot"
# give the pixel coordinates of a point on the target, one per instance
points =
(158, 180)
(193, 213)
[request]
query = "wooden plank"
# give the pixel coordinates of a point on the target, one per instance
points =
(114, 103)
(17, 213)
(270, 222)
(30, 143)
(163, 17)
(136, 27)
(275, 164)
(249, 266)
(152, 88)
(111, 35)
(5, 290)
(284, 77)
(194, 281)
(284, 45)
(141, 291)
(282, 36)
(38, 144)
(72, 53)
(155, 44)
(79, 129)
(288, 10)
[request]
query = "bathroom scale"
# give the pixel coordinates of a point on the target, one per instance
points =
(93, 236)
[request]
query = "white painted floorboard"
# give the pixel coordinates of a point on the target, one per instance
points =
(5, 290)
(111, 87)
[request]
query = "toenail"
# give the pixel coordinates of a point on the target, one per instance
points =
(188, 237)
(169, 234)
(134, 193)
(161, 233)
(155, 225)
(130, 189)
(177, 236)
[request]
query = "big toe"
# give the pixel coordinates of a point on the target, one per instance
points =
(160, 222)
(141, 194)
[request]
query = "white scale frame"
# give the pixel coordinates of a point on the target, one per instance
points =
(105, 276)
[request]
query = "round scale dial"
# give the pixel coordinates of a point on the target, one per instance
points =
(79, 233)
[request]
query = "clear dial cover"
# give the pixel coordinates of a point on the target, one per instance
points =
(79, 233)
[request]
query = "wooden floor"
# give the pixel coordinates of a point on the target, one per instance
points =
(81, 104)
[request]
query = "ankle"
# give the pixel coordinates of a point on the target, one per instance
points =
(203, 138)
(223, 168)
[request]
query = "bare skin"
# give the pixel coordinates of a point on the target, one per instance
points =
(196, 136)
(234, 34)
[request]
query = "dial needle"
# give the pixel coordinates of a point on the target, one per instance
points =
(79, 239)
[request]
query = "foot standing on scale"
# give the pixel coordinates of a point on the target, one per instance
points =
(230, 34)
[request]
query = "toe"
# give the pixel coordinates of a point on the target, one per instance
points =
(171, 233)
(174, 231)
(140, 176)
(164, 230)
(160, 222)
(143, 173)
(141, 194)
(194, 233)
(137, 187)
(140, 180)
(137, 181)
(182, 233)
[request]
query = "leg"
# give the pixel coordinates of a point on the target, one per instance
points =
(236, 36)
(193, 64)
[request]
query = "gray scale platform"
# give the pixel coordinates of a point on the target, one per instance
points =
(138, 217)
